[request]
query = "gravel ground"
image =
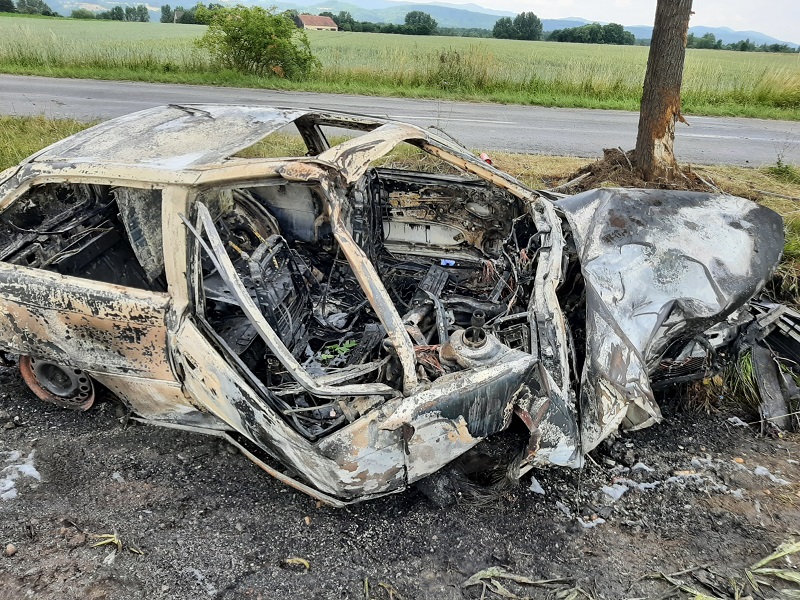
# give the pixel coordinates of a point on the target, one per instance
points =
(209, 524)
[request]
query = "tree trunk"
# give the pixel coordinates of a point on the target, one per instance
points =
(661, 98)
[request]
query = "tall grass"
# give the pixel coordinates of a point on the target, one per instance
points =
(22, 136)
(543, 73)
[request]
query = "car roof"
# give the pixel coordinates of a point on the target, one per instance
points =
(172, 137)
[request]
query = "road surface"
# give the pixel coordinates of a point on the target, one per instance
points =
(527, 129)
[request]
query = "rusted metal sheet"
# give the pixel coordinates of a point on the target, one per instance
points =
(158, 400)
(84, 324)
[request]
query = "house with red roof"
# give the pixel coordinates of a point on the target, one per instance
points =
(316, 23)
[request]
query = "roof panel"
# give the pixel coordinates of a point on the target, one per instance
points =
(317, 21)
(172, 137)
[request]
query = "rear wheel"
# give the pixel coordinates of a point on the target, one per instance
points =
(63, 386)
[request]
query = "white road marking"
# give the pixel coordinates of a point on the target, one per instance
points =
(449, 119)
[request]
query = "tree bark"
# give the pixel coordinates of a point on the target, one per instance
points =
(661, 98)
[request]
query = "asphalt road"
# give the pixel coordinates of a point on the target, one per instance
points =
(528, 129)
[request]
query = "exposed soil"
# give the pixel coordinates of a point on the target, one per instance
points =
(617, 169)
(212, 525)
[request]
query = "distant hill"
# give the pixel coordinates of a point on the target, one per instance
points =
(470, 7)
(382, 11)
(726, 34)
(445, 16)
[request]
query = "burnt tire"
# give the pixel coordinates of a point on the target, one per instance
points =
(63, 386)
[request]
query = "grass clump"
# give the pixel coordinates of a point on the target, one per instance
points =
(785, 172)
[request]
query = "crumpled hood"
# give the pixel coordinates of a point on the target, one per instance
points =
(660, 268)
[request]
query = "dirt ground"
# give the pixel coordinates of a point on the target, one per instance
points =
(210, 524)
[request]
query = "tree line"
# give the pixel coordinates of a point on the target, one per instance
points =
(39, 7)
(135, 14)
(27, 7)
(594, 33)
(710, 42)
(416, 22)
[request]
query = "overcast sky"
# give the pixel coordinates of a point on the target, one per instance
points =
(778, 18)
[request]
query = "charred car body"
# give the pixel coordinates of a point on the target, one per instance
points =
(360, 325)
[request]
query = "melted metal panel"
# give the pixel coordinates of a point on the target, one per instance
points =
(660, 268)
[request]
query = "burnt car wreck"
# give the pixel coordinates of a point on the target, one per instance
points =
(352, 327)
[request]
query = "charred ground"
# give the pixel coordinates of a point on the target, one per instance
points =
(212, 525)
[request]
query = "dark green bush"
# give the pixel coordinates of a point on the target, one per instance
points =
(258, 41)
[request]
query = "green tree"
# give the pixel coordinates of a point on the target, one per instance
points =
(142, 15)
(203, 14)
(130, 13)
(186, 16)
(594, 33)
(7, 6)
(82, 13)
(256, 40)
(745, 46)
(614, 33)
(707, 42)
(167, 14)
(33, 7)
(421, 23)
(527, 26)
(344, 18)
(503, 29)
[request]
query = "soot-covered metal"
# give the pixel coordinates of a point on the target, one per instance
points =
(354, 327)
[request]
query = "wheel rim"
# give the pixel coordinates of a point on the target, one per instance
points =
(57, 384)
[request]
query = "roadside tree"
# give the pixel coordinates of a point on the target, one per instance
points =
(661, 97)
(259, 41)
(167, 14)
(7, 6)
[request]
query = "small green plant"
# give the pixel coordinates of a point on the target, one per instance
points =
(742, 383)
(258, 41)
(784, 172)
(338, 350)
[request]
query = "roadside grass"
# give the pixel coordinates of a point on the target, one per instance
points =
(716, 82)
(22, 136)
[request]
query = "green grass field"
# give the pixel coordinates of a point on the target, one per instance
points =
(543, 73)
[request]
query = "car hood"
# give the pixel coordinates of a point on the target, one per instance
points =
(660, 269)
